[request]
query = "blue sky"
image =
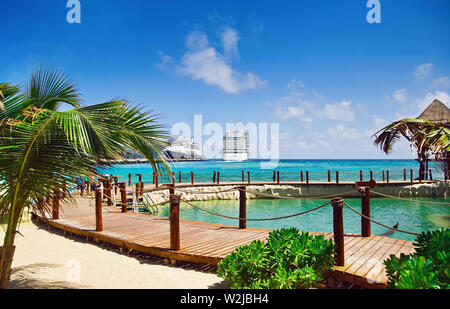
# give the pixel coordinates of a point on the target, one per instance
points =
(318, 68)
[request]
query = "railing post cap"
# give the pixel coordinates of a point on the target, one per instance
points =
(175, 198)
(337, 201)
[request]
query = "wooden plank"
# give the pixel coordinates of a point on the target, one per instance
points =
(204, 242)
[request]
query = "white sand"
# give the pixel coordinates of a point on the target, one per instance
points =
(45, 259)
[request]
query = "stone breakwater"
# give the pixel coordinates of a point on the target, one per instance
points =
(220, 192)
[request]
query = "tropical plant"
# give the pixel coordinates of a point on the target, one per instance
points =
(425, 136)
(43, 148)
(427, 268)
(288, 260)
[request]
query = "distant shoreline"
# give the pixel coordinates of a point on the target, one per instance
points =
(145, 161)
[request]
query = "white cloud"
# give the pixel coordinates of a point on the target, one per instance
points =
(399, 95)
(165, 60)
(343, 132)
(339, 111)
(230, 39)
(204, 62)
(291, 112)
(430, 97)
(378, 124)
(423, 70)
(441, 82)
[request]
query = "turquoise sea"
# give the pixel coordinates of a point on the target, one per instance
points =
(289, 170)
(412, 217)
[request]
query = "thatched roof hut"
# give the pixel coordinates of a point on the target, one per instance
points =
(437, 112)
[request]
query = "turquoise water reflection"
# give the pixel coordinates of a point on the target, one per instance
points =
(410, 216)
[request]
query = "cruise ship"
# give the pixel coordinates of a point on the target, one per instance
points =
(235, 146)
(183, 148)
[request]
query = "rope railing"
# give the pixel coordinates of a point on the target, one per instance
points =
(249, 219)
(379, 223)
(409, 200)
(300, 197)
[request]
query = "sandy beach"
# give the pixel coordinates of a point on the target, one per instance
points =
(47, 259)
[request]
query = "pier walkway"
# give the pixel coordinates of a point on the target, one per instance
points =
(208, 243)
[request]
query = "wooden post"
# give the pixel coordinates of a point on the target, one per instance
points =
(142, 189)
(129, 179)
(138, 190)
(154, 177)
(387, 176)
(248, 177)
(337, 177)
(243, 177)
(179, 176)
(98, 211)
(140, 176)
(173, 179)
(383, 175)
(218, 177)
(123, 196)
(274, 176)
(192, 178)
(55, 203)
(301, 176)
(174, 218)
(338, 230)
(329, 176)
(404, 174)
(411, 176)
(214, 177)
(360, 176)
(365, 210)
(431, 176)
(242, 207)
(307, 177)
(371, 175)
(64, 191)
(278, 176)
(116, 183)
(108, 193)
(40, 204)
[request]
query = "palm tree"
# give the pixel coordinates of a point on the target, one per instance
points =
(412, 129)
(43, 148)
(428, 138)
(437, 139)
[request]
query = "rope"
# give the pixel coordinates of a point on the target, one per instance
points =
(408, 200)
(300, 197)
(264, 219)
(205, 192)
(376, 222)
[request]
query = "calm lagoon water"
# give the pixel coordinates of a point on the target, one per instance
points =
(412, 217)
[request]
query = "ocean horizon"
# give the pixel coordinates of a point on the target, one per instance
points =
(290, 169)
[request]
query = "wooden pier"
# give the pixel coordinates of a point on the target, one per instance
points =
(208, 243)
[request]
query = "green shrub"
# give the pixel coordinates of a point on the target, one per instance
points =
(288, 260)
(427, 268)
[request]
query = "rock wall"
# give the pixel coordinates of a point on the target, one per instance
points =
(205, 193)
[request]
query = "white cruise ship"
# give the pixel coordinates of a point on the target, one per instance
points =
(235, 146)
(183, 148)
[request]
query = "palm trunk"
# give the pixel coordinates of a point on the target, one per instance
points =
(422, 167)
(8, 248)
(6, 258)
(447, 166)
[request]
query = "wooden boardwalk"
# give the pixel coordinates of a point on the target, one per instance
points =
(208, 243)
